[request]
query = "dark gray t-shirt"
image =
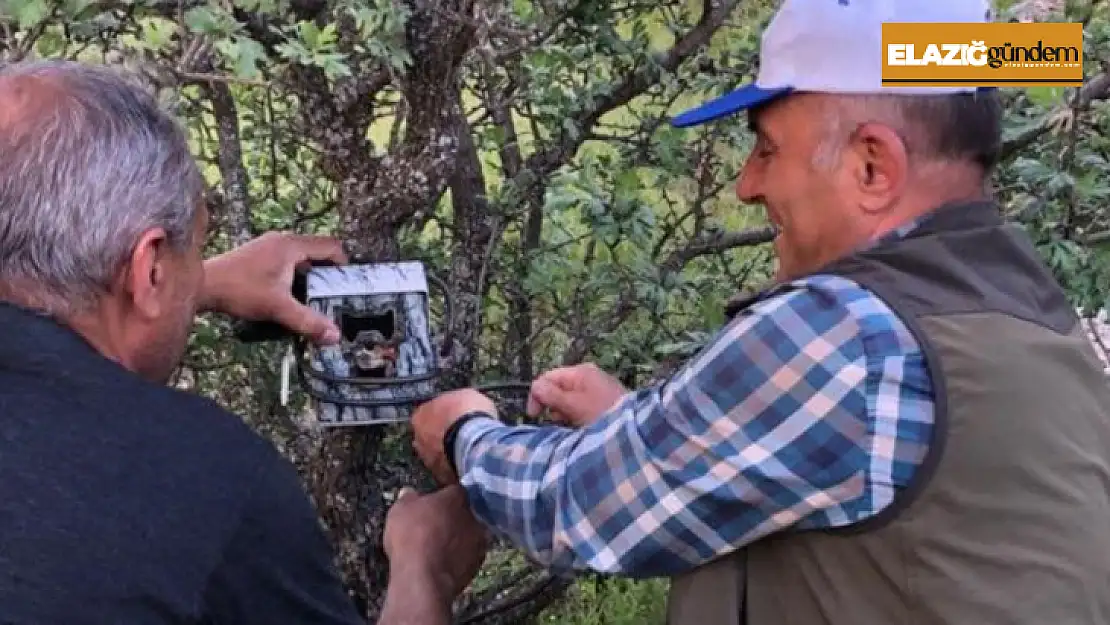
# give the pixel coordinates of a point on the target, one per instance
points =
(123, 501)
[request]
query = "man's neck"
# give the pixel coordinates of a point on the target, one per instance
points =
(102, 329)
(935, 188)
(93, 325)
(100, 324)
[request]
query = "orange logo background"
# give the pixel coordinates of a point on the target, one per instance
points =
(991, 54)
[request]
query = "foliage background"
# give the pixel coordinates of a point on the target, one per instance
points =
(520, 148)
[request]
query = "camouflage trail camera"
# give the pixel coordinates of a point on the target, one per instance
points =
(386, 361)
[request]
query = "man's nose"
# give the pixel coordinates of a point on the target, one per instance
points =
(747, 185)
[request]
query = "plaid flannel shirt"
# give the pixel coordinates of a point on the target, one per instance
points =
(808, 410)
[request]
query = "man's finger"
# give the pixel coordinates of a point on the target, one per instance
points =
(565, 378)
(308, 323)
(312, 247)
(549, 395)
(533, 406)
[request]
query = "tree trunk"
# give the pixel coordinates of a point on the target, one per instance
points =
(473, 231)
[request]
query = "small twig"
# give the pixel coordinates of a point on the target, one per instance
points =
(486, 595)
(5, 35)
(273, 143)
(207, 366)
(1098, 88)
(544, 585)
(1067, 163)
(204, 77)
(307, 217)
(34, 34)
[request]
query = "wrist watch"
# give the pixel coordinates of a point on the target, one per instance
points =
(452, 435)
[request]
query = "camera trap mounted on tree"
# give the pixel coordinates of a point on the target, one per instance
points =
(385, 361)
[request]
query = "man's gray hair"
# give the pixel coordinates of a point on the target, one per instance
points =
(964, 127)
(82, 178)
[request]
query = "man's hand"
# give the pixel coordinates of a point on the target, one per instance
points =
(255, 281)
(431, 420)
(435, 548)
(575, 395)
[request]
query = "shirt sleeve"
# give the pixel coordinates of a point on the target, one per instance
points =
(279, 566)
(807, 410)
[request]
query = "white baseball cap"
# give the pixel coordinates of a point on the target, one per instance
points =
(832, 46)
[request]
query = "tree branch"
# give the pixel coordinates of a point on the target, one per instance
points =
(1097, 88)
(718, 242)
(543, 162)
(626, 301)
(33, 35)
(202, 78)
(233, 174)
(414, 176)
(583, 343)
(528, 602)
(473, 233)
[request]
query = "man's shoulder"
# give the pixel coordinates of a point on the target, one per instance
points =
(132, 468)
(203, 411)
(832, 356)
(831, 304)
(166, 425)
(819, 290)
(201, 422)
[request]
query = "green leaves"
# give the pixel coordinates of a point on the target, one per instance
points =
(245, 55)
(26, 12)
(210, 20)
(315, 46)
(1058, 188)
(157, 33)
(607, 198)
(381, 25)
(1031, 171)
(268, 7)
(1045, 96)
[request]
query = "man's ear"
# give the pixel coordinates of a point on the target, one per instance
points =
(880, 167)
(146, 277)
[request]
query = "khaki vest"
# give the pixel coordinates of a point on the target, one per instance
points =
(1008, 522)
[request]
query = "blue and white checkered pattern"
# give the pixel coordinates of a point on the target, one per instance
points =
(808, 410)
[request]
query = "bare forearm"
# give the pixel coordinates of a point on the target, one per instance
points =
(415, 597)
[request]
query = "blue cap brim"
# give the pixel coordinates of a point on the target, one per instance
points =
(742, 99)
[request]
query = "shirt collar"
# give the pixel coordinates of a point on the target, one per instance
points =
(33, 341)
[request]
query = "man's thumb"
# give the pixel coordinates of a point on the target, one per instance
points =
(549, 395)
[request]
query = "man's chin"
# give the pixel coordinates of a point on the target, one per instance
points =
(782, 271)
(786, 271)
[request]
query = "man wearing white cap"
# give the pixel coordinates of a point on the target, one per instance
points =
(908, 427)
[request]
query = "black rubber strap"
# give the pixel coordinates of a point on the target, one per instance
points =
(452, 434)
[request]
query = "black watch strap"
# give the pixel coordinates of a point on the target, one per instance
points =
(452, 435)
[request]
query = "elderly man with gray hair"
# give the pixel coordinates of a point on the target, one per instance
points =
(123, 500)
